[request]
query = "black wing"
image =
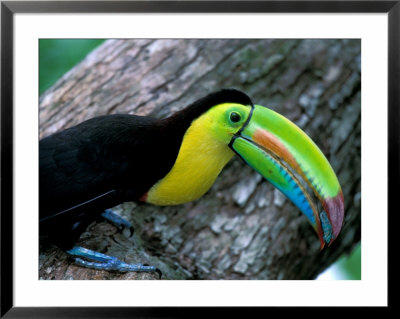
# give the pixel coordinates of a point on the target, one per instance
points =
(98, 164)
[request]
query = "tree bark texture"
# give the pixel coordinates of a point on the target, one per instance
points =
(242, 228)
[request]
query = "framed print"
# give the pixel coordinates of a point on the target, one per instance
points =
(301, 94)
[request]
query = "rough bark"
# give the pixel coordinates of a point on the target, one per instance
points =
(242, 228)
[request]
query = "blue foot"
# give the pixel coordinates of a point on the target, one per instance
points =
(117, 221)
(105, 262)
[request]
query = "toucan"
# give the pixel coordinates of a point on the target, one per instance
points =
(87, 169)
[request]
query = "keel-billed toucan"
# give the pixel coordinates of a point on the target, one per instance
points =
(107, 160)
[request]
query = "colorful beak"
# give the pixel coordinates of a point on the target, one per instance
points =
(284, 155)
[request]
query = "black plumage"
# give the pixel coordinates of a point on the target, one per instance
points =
(96, 165)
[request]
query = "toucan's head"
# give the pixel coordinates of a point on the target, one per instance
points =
(272, 145)
(225, 120)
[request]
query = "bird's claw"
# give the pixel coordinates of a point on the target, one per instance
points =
(118, 221)
(104, 262)
(158, 271)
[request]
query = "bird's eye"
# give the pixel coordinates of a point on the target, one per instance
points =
(235, 117)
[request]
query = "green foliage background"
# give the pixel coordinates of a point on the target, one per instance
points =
(350, 266)
(58, 56)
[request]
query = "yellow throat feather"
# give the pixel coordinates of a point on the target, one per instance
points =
(200, 160)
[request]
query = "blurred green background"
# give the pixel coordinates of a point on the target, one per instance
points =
(58, 56)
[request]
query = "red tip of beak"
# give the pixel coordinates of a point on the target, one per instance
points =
(334, 208)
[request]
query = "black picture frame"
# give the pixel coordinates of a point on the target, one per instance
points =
(9, 8)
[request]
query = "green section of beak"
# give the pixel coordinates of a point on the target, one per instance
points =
(282, 153)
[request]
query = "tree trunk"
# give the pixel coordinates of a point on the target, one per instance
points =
(242, 228)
